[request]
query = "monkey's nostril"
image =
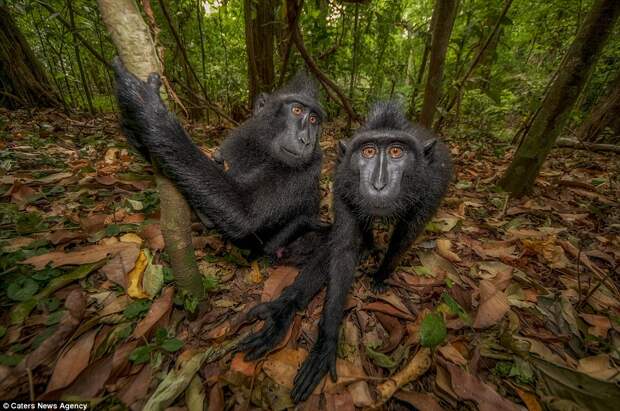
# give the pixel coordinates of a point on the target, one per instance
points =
(378, 185)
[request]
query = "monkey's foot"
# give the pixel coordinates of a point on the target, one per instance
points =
(322, 359)
(278, 316)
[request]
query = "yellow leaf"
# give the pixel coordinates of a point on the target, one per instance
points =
(131, 238)
(134, 278)
(255, 275)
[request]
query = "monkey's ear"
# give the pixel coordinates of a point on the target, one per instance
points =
(259, 103)
(343, 147)
(429, 150)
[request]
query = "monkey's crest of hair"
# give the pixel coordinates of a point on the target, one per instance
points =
(386, 115)
(301, 83)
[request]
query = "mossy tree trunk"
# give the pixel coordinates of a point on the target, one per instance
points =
(560, 98)
(444, 14)
(135, 46)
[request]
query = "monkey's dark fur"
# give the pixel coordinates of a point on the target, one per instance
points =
(269, 196)
(406, 189)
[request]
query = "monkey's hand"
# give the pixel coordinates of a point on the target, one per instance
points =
(278, 316)
(140, 105)
(322, 359)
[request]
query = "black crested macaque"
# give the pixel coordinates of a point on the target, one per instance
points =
(270, 194)
(390, 169)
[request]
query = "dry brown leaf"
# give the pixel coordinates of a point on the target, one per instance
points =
(339, 401)
(599, 324)
(469, 387)
(452, 354)
(134, 393)
(86, 255)
(158, 309)
(549, 250)
(391, 298)
(599, 367)
(279, 278)
(123, 262)
(387, 309)
(239, 364)
(394, 328)
(153, 236)
(530, 399)
(62, 236)
(493, 305)
(282, 365)
(444, 249)
(421, 401)
(72, 362)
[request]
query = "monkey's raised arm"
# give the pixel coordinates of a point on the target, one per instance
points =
(345, 244)
(156, 132)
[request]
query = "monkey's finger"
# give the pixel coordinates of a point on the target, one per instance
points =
(256, 339)
(154, 82)
(332, 370)
(310, 381)
(260, 311)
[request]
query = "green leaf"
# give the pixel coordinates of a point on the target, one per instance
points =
(136, 308)
(172, 345)
(22, 289)
(432, 330)
(380, 359)
(54, 318)
(455, 308)
(10, 360)
(112, 230)
(2, 331)
(141, 354)
(21, 311)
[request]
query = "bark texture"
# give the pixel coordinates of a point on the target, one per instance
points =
(560, 99)
(260, 27)
(605, 113)
(22, 80)
(135, 46)
(444, 15)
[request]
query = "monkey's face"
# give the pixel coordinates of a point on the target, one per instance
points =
(295, 144)
(381, 163)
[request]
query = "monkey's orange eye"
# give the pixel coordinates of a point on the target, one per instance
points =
(296, 110)
(313, 119)
(395, 152)
(369, 151)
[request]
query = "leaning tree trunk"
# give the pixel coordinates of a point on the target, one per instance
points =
(444, 15)
(559, 100)
(131, 36)
(22, 80)
(259, 38)
(603, 115)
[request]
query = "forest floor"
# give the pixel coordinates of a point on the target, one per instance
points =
(518, 298)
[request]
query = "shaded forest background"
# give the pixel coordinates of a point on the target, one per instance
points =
(370, 49)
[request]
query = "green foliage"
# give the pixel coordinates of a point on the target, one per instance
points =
(372, 50)
(432, 330)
